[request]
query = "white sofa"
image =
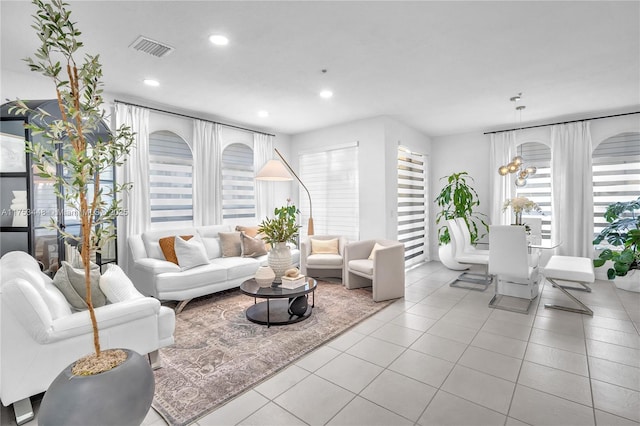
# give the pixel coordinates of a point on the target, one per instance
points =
(42, 335)
(154, 276)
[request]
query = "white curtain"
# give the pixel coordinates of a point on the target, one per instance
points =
(207, 182)
(263, 152)
(136, 202)
(503, 149)
(572, 189)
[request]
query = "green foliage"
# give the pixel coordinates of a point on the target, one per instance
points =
(283, 227)
(623, 230)
(458, 199)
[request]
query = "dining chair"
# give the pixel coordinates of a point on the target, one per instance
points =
(471, 257)
(515, 268)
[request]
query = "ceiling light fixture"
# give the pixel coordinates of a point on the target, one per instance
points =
(326, 94)
(151, 82)
(517, 163)
(219, 40)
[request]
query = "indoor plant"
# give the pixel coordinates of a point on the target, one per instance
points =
(458, 199)
(70, 143)
(278, 231)
(622, 231)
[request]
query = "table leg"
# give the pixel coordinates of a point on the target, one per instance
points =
(268, 318)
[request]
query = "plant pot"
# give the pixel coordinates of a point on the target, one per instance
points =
(120, 396)
(445, 253)
(629, 282)
(279, 260)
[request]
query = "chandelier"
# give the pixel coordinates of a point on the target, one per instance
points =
(516, 166)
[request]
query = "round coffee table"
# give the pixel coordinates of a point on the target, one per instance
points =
(275, 310)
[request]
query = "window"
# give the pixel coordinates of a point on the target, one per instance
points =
(616, 174)
(238, 195)
(412, 214)
(332, 179)
(170, 177)
(538, 188)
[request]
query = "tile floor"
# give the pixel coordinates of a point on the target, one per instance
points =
(440, 356)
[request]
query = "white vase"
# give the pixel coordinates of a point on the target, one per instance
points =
(265, 276)
(445, 253)
(280, 260)
(630, 282)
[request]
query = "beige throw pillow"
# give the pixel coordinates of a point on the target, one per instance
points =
(231, 244)
(324, 246)
(376, 247)
(70, 282)
(252, 246)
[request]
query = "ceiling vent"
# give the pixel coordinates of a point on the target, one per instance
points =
(152, 47)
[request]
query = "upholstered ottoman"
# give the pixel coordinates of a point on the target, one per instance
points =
(578, 270)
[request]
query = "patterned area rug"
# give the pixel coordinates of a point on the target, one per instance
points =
(219, 354)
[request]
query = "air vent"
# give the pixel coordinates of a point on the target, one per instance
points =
(152, 47)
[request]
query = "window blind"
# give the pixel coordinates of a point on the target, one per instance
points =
(538, 188)
(238, 193)
(332, 179)
(170, 178)
(412, 215)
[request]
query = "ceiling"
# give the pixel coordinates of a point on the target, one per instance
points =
(440, 67)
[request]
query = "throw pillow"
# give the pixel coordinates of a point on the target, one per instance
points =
(231, 244)
(167, 244)
(376, 247)
(190, 253)
(70, 281)
(117, 286)
(252, 231)
(324, 246)
(251, 246)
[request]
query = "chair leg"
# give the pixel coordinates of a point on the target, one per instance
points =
(469, 277)
(154, 360)
(181, 306)
(585, 310)
(23, 410)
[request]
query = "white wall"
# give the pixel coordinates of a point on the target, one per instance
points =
(378, 141)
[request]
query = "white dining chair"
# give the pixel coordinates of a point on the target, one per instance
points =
(472, 257)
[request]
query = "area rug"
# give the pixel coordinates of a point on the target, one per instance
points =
(218, 353)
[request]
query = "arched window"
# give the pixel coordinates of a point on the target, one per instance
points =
(238, 195)
(616, 174)
(171, 180)
(538, 187)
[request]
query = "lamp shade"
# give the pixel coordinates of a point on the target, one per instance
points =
(274, 170)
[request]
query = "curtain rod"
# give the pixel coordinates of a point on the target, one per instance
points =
(562, 122)
(192, 117)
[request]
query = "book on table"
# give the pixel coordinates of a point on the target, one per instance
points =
(293, 282)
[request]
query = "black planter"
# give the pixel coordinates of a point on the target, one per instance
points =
(121, 396)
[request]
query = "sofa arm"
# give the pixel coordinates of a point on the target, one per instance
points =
(108, 316)
(143, 274)
(28, 306)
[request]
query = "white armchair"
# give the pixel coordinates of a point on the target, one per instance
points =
(516, 269)
(41, 334)
(322, 256)
(382, 270)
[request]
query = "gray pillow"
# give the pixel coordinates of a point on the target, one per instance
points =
(252, 247)
(231, 244)
(70, 281)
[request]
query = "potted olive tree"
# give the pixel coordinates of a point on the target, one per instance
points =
(70, 143)
(458, 199)
(623, 233)
(278, 231)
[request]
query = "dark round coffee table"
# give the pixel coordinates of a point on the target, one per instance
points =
(279, 308)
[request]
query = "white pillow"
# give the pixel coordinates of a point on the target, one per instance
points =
(115, 284)
(190, 253)
(376, 247)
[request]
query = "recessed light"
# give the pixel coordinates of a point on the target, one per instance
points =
(263, 113)
(326, 94)
(219, 40)
(150, 82)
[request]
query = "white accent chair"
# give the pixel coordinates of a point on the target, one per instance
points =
(384, 273)
(41, 334)
(322, 264)
(517, 273)
(468, 255)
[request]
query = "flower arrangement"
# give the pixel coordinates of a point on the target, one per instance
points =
(520, 204)
(283, 227)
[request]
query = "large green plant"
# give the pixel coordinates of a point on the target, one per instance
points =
(459, 199)
(283, 227)
(623, 231)
(71, 142)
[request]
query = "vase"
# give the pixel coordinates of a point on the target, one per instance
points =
(279, 260)
(265, 276)
(518, 218)
(120, 396)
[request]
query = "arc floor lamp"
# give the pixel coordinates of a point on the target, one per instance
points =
(275, 171)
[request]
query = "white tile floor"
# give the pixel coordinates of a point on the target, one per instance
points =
(440, 356)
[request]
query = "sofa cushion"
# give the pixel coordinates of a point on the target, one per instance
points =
(231, 244)
(191, 278)
(251, 246)
(168, 244)
(237, 267)
(71, 282)
(190, 253)
(117, 286)
(364, 266)
(151, 238)
(324, 246)
(324, 260)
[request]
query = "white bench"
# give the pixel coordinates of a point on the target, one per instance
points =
(578, 270)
